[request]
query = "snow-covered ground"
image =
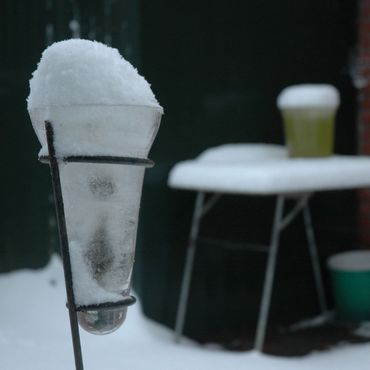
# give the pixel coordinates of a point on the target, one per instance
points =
(34, 335)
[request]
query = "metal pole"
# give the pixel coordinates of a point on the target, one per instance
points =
(312, 247)
(269, 275)
(186, 279)
(63, 237)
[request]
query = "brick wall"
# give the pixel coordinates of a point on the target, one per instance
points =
(362, 81)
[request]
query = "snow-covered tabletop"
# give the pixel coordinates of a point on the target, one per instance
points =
(266, 169)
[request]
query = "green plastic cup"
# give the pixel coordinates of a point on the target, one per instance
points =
(308, 113)
(350, 276)
(309, 132)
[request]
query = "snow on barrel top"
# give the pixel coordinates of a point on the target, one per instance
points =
(308, 95)
(83, 72)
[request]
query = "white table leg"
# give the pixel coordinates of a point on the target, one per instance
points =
(188, 269)
(315, 259)
(269, 275)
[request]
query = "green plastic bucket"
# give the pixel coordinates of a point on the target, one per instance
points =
(308, 113)
(350, 275)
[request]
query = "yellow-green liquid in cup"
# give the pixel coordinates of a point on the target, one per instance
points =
(309, 132)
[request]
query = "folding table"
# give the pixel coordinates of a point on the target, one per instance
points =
(258, 170)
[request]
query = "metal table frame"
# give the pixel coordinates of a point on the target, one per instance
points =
(280, 222)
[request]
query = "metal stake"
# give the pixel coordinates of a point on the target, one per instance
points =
(63, 237)
(127, 300)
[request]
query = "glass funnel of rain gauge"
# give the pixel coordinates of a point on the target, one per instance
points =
(101, 201)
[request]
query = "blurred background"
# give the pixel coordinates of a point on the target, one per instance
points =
(216, 67)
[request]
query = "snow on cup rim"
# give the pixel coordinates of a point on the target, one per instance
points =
(309, 95)
(112, 130)
(84, 72)
(353, 261)
(96, 100)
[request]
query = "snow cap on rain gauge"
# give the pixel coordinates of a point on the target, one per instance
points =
(99, 117)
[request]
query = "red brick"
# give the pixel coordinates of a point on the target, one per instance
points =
(363, 129)
(364, 93)
(363, 116)
(364, 8)
(364, 102)
(364, 237)
(363, 241)
(364, 204)
(363, 195)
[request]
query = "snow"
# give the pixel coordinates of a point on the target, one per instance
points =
(98, 130)
(34, 334)
(96, 101)
(363, 330)
(358, 260)
(242, 153)
(309, 95)
(313, 322)
(84, 72)
(263, 169)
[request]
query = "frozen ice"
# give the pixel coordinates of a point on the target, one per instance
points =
(97, 104)
(101, 205)
(84, 72)
(309, 95)
(267, 169)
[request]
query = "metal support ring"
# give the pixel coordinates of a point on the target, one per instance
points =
(127, 301)
(103, 159)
